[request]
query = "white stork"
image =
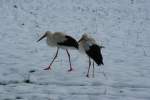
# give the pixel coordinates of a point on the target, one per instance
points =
(60, 40)
(89, 46)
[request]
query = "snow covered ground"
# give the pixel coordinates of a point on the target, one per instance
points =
(122, 26)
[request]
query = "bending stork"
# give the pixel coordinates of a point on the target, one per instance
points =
(88, 45)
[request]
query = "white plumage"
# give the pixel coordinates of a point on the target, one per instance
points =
(85, 42)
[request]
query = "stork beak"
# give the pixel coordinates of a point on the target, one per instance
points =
(80, 39)
(41, 37)
(102, 46)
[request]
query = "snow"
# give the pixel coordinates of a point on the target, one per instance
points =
(121, 26)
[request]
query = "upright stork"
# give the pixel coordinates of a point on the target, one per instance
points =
(89, 46)
(60, 40)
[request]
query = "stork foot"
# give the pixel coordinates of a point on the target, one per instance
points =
(70, 69)
(87, 75)
(48, 68)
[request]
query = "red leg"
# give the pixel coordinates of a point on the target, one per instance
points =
(69, 61)
(87, 75)
(49, 67)
(93, 70)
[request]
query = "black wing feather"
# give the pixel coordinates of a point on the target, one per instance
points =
(95, 53)
(71, 42)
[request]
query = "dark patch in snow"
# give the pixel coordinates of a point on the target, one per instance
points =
(18, 97)
(22, 24)
(15, 6)
(32, 71)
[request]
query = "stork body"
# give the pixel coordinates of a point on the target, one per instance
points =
(60, 40)
(89, 46)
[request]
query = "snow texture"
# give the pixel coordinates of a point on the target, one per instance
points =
(122, 26)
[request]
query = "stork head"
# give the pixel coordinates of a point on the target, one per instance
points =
(47, 33)
(85, 36)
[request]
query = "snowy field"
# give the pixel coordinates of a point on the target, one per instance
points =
(122, 26)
